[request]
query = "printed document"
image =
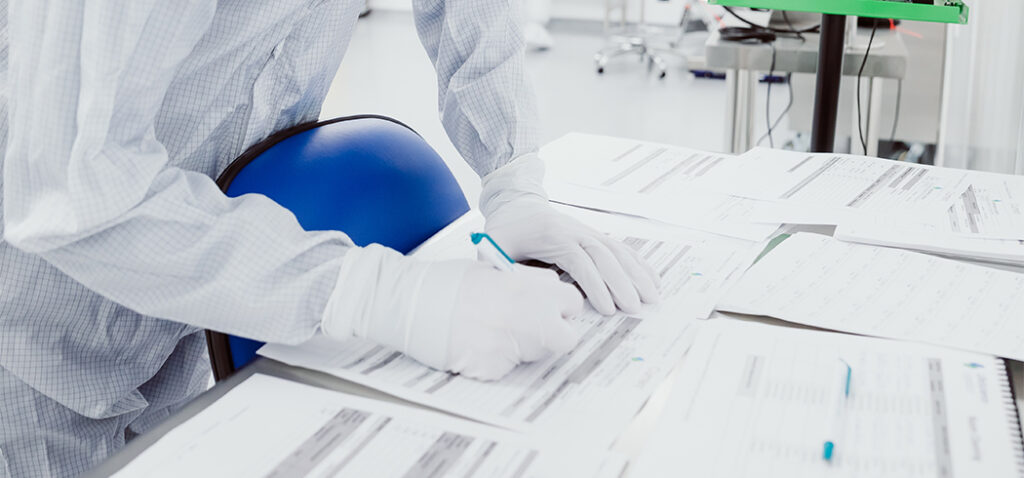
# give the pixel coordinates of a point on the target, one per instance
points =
(695, 267)
(667, 183)
(271, 427)
(992, 207)
(753, 400)
(819, 281)
(591, 393)
(842, 181)
(928, 238)
(629, 166)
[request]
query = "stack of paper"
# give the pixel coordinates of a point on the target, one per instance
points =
(986, 223)
(761, 401)
(272, 427)
(845, 186)
(925, 237)
(816, 280)
(750, 400)
(877, 201)
(610, 374)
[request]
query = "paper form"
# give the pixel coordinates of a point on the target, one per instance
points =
(858, 183)
(985, 223)
(929, 239)
(992, 207)
(706, 211)
(267, 426)
(590, 393)
(816, 280)
(695, 267)
(753, 400)
(629, 166)
(667, 183)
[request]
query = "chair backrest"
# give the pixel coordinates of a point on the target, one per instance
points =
(369, 176)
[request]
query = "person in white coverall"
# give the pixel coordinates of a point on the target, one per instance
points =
(118, 247)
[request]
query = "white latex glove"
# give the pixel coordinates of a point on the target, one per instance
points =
(504, 318)
(462, 316)
(522, 222)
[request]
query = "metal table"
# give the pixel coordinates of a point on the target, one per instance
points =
(629, 443)
(742, 63)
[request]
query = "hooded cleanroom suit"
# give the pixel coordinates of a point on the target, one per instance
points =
(114, 117)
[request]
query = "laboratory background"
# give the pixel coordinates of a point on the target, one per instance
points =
(951, 96)
(536, 238)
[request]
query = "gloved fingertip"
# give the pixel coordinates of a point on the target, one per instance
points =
(603, 305)
(650, 295)
(631, 308)
(571, 301)
(655, 280)
(562, 338)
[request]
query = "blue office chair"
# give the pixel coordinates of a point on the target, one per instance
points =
(370, 176)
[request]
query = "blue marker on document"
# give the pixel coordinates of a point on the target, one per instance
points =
(839, 413)
(491, 252)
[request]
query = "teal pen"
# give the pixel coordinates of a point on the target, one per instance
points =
(492, 252)
(839, 414)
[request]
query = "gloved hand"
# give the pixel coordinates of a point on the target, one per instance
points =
(462, 316)
(504, 318)
(522, 222)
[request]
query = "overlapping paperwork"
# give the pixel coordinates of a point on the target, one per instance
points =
(819, 281)
(695, 268)
(992, 207)
(875, 201)
(985, 223)
(955, 212)
(924, 238)
(666, 183)
(272, 427)
(619, 361)
(845, 185)
(610, 374)
(754, 400)
(750, 398)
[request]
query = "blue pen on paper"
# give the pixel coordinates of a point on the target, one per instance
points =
(492, 252)
(839, 414)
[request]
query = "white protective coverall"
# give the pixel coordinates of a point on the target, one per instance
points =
(118, 246)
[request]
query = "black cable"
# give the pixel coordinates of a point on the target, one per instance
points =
(791, 27)
(768, 99)
(789, 105)
(789, 83)
(896, 115)
(767, 35)
(813, 29)
(746, 35)
(860, 129)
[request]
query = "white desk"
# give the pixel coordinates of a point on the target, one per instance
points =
(630, 443)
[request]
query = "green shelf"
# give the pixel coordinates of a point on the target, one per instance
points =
(954, 13)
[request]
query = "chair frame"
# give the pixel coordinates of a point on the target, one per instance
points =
(217, 343)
